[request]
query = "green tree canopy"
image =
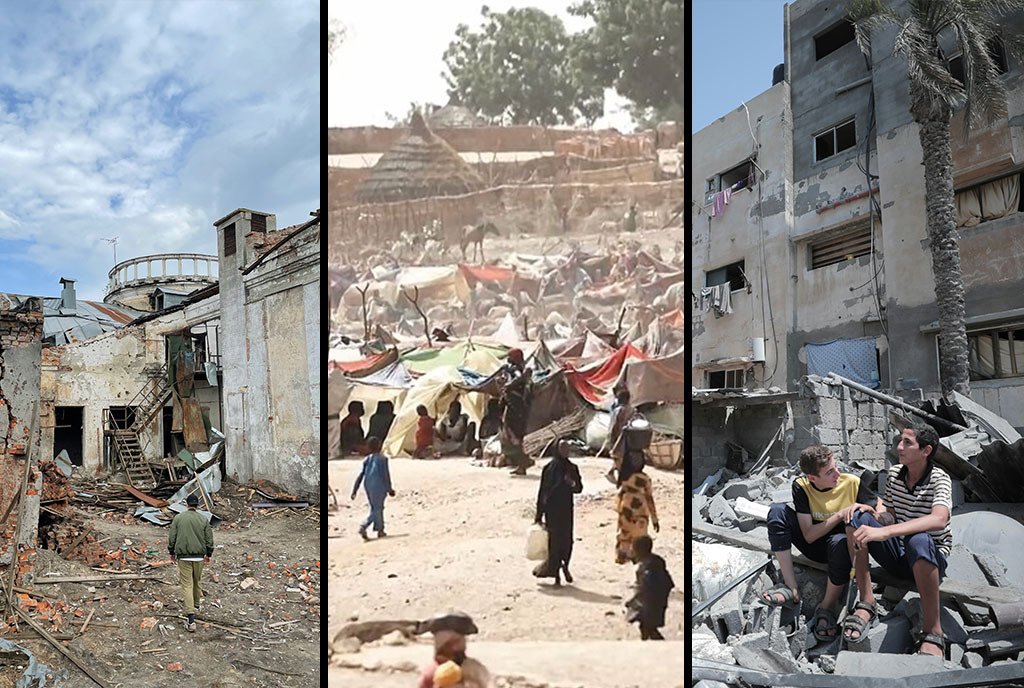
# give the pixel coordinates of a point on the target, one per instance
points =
(520, 68)
(636, 47)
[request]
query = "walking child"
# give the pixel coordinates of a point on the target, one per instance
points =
(653, 584)
(376, 479)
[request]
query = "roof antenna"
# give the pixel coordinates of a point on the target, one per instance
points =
(113, 242)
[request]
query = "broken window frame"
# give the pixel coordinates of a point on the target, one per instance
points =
(856, 237)
(834, 132)
(976, 186)
(743, 172)
(732, 272)
(1005, 364)
(842, 30)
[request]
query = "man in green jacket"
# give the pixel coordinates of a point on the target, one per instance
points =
(190, 543)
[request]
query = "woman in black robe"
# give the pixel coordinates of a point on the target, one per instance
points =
(559, 481)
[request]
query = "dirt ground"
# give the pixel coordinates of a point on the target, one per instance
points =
(261, 636)
(456, 539)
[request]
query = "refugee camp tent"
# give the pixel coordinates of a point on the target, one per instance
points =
(659, 380)
(441, 383)
(595, 381)
(435, 283)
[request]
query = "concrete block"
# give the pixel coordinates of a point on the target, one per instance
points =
(956, 653)
(867, 664)
(972, 660)
(765, 660)
(891, 636)
(783, 495)
(746, 508)
(753, 641)
(704, 644)
(720, 513)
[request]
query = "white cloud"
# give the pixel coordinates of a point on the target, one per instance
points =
(147, 121)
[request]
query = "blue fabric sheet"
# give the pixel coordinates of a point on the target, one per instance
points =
(855, 359)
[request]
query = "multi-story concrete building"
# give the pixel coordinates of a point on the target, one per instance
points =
(823, 241)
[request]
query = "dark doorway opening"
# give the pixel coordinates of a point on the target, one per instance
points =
(170, 442)
(68, 432)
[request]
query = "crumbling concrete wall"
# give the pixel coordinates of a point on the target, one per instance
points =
(755, 220)
(271, 356)
(21, 343)
(347, 140)
(853, 426)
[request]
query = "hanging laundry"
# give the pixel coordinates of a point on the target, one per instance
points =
(722, 299)
(705, 298)
(719, 201)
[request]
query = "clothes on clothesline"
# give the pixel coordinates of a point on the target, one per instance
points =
(719, 201)
(717, 298)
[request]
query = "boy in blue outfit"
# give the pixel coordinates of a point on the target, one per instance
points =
(376, 479)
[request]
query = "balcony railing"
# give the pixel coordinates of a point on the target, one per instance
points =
(165, 266)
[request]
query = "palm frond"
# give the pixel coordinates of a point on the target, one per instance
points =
(870, 17)
(925, 68)
(986, 95)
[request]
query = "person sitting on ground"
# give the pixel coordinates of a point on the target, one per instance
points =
(382, 418)
(352, 429)
(823, 499)
(455, 431)
(908, 534)
(559, 481)
(490, 424)
(653, 584)
(375, 477)
(424, 434)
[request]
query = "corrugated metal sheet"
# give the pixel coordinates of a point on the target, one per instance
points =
(90, 319)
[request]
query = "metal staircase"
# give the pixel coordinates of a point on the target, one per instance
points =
(130, 444)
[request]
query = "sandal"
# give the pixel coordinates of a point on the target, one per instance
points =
(831, 624)
(852, 622)
(938, 641)
(789, 600)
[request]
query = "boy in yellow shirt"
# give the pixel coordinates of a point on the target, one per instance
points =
(823, 501)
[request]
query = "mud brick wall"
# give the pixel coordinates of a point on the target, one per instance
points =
(21, 336)
(348, 140)
(373, 224)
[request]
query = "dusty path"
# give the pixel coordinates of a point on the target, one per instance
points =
(456, 539)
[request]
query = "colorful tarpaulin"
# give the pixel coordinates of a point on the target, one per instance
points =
(596, 381)
(421, 361)
(659, 380)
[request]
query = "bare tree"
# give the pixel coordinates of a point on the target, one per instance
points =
(415, 301)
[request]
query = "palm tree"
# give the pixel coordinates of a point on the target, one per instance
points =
(935, 94)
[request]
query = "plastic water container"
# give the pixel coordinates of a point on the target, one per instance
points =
(537, 543)
(638, 434)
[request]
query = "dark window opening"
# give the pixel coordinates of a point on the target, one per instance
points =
(996, 353)
(835, 140)
(121, 417)
(848, 245)
(733, 274)
(259, 223)
(727, 379)
(833, 39)
(199, 347)
(68, 431)
(738, 177)
(229, 240)
(996, 50)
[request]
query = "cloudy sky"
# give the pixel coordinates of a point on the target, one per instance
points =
(147, 121)
(406, 55)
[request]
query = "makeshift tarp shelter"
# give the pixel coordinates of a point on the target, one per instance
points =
(424, 360)
(338, 389)
(435, 283)
(441, 384)
(368, 365)
(656, 379)
(596, 381)
(419, 166)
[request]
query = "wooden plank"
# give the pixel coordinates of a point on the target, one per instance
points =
(86, 579)
(63, 650)
(983, 594)
(148, 499)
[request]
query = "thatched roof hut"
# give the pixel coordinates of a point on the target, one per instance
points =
(455, 116)
(418, 166)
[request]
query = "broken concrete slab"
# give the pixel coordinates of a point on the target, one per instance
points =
(720, 513)
(748, 509)
(704, 644)
(972, 660)
(765, 659)
(891, 636)
(867, 664)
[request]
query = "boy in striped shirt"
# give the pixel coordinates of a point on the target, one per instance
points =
(909, 536)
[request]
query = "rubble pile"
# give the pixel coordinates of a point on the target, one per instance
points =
(736, 638)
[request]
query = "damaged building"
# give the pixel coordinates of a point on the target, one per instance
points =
(815, 322)
(124, 385)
